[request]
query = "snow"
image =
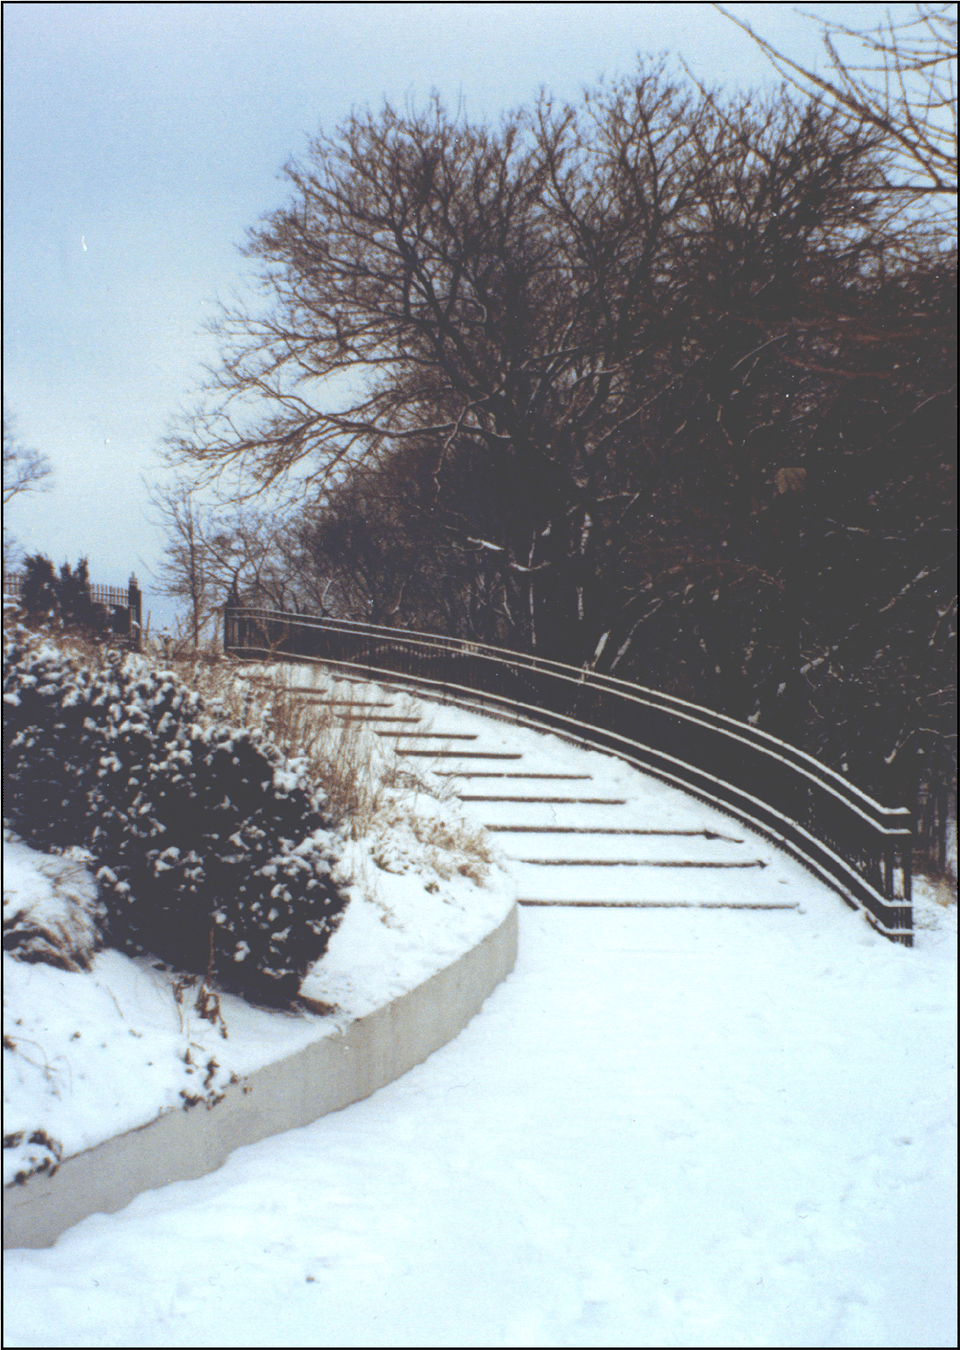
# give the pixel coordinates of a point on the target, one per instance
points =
(50, 906)
(667, 1127)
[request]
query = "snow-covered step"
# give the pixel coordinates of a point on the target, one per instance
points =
(587, 807)
(542, 800)
(375, 717)
(320, 698)
(430, 736)
(314, 699)
(594, 903)
(529, 811)
(601, 830)
(623, 853)
(473, 773)
(573, 846)
(577, 827)
(462, 754)
(638, 862)
(722, 887)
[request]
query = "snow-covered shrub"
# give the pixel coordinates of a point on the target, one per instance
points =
(50, 746)
(214, 851)
(357, 770)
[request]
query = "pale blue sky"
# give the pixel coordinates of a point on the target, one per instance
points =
(141, 140)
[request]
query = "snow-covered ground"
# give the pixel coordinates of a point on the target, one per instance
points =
(90, 1054)
(667, 1127)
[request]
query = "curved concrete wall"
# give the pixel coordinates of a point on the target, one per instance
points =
(323, 1077)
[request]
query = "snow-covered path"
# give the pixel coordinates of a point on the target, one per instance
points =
(667, 1127)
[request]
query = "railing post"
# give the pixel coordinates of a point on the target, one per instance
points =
(790, 516)
(135, 614)
(897, 864)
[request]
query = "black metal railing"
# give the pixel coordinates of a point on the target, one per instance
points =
(859, 847)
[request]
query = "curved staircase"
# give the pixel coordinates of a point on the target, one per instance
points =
(588, 832)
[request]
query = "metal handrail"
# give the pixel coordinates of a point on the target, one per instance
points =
(859, 847)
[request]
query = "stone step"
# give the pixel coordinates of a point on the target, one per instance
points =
(557, 880)
(624, 844)
(308, 696)
(673, 857)
(460, 754)
(432, 735)
(471, 773)
(377, 717)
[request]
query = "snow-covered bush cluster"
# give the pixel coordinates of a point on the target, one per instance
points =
(213, 850)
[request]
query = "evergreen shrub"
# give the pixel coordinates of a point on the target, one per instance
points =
(214, 851)
(63, 601)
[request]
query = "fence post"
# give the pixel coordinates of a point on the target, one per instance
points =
(231, 621)
(135, 614)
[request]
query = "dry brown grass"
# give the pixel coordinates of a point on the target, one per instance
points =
(943, 888)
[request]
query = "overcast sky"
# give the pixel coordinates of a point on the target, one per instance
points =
(142, 140)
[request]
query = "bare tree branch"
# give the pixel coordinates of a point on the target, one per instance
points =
(24, 469)
(907, 90)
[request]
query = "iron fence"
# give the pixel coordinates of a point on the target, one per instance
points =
(856, 845)
(122, 606)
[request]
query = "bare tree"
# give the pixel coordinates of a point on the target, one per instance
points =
(185, 572)
(536, 308)
(905, 87)
(216, 549)
(245, 558)
(24, 470)
(548, 379)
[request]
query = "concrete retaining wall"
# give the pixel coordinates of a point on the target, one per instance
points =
(323, 1077)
